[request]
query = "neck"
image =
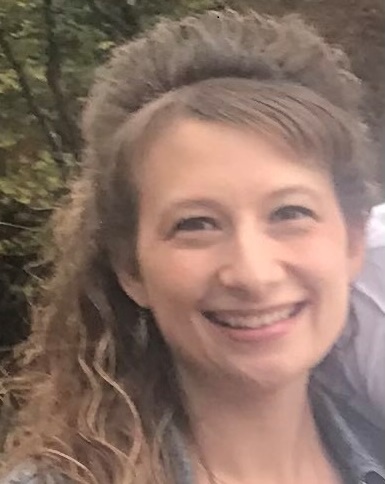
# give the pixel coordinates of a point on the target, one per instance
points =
(243, 434)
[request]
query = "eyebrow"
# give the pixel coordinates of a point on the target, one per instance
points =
(195, 203)
(214, 205)
(294, 190)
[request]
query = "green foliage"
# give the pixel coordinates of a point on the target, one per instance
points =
(28, 194)
(49, 50)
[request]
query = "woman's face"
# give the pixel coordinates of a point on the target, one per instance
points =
(244, 257)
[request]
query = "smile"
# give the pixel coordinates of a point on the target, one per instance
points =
(253, 320)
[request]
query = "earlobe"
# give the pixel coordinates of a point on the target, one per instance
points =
(133, 286)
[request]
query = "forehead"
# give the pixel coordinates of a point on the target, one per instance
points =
(204, 151)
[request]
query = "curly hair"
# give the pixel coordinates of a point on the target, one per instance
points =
(93, 402)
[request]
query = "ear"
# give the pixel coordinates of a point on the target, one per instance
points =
(356, 249)
(133, 286)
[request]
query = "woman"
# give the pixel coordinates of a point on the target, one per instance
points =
(203, 268)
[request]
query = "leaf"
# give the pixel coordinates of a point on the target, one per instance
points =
(8, 81)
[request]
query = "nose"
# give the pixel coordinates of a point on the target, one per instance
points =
(255, 263)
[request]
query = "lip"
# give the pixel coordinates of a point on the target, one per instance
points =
(261, 334)
(242, 311)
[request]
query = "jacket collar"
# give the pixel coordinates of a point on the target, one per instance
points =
(355, 444)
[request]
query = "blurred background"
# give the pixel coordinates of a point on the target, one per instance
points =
(49, 50)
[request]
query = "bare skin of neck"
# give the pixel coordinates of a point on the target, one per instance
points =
(245, 435)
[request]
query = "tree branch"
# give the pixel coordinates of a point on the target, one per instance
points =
(51, 136)
(53, 74)
(19, 227)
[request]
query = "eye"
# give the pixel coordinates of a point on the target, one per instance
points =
(193, 224)
(292, 212)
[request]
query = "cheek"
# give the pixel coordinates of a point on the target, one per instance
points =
(176, 282)
(327, 267)
(327, 262)
(325, 251)
(176, 276)
(324, 261)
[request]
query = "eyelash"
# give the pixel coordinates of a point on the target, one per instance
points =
(285, 213)
(280, 215)
(183, 224)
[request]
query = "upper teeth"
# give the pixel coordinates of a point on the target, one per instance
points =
(252, 321)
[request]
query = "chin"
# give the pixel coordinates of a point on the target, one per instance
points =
(273, 374)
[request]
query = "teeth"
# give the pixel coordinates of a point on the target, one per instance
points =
(254, 321)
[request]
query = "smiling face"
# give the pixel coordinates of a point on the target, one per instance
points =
(243, 253)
